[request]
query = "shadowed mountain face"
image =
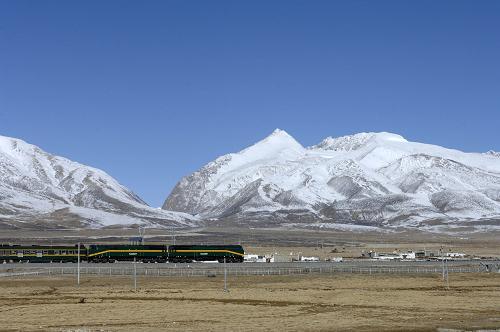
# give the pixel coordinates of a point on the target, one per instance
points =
(368, 178)
(40, 189)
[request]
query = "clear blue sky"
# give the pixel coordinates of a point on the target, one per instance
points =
(150, 91)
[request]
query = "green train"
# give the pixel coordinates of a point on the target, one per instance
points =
(109, 253)
(40, 253)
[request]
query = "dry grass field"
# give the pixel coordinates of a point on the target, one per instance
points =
(342, 302)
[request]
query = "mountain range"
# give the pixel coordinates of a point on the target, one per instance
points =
(362, 180)
(38, 189)
(365, 181)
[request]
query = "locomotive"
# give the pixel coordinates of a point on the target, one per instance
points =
(109, 253)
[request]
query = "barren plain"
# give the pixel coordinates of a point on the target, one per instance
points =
(341, 302)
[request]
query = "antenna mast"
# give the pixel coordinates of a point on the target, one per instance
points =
(142, 231)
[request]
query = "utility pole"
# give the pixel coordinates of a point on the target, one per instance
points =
(445, 274)
(442, 266)
(441, 252)
(78, 266)
(173, 235)
(225, 276)
(135, 275)
(142, 231)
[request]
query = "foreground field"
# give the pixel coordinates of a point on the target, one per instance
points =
(314, 303)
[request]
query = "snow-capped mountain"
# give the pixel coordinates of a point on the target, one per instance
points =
(40, 189)
(376, 179)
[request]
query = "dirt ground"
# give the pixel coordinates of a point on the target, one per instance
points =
(341, 302)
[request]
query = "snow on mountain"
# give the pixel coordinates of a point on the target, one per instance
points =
(37, 188)
(366, 178)
(493, 153)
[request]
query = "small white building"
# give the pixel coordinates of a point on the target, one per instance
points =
(455, 255)
(409, 255)
(277, 258)
(254, 258)
(384, 256)
(309, 259)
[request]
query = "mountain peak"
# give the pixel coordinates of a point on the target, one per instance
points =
(493, 153)
(277, 140)
(355, 141)
(8, 143)
(281, 133)
(389, 136)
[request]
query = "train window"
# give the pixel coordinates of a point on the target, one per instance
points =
(45, 252)
(51, 252)
(63, 252)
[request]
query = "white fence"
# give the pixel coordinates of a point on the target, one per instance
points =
(236, 271)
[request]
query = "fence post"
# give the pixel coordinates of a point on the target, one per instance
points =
(78, 278)
(225, 276)
(135, 275)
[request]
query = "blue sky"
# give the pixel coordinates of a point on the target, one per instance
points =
(150, 91)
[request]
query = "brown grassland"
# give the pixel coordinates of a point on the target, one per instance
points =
(341, 302)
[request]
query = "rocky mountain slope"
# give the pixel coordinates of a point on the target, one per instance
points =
(38, 189)
(370, 179)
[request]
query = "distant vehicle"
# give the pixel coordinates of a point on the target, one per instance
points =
(108, 253)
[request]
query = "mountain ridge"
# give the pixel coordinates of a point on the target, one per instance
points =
(366, 178)
(38, 188)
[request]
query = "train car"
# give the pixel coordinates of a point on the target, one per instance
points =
(103, 253)
(40, 253)
(190, 253)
